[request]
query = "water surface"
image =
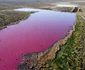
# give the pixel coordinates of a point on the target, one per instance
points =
(35, 34)
(66, 5)
(28, 9)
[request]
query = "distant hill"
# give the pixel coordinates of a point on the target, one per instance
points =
(36, 1)
(28, 2)
(31, 3)
(39, 1)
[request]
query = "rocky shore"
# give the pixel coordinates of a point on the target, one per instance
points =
(35, 61)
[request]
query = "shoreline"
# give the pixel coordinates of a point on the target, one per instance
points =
(51, 52)
(70, 54)
(16, 22)
(37, 59)
(11, 24)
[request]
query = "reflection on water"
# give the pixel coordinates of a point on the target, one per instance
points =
(65, 5)
(28, 9)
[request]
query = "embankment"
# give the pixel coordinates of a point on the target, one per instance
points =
(37, 60)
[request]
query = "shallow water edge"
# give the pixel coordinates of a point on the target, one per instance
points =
(36, 60)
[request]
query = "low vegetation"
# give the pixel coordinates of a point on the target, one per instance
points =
(71, 55)
(11, 17)
(64, 9)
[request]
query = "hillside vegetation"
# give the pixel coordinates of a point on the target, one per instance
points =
(71, 55)
(11, 17)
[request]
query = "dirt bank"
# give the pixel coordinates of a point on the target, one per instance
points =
(36, 60)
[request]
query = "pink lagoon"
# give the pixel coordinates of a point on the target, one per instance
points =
(35, 34)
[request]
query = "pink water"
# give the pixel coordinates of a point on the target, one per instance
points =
(35, 34)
